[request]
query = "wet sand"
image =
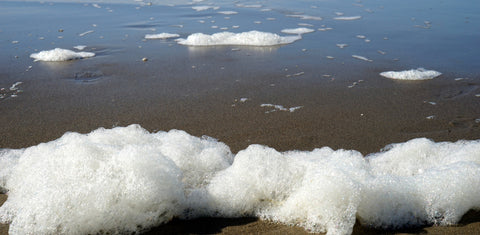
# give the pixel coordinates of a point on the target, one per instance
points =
(366, 117)
(206, 100)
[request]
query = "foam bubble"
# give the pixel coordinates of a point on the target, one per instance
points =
(162, 36)
(126, 179)
(59, 54)
(413, 74)
(298, 30)
(251, 38)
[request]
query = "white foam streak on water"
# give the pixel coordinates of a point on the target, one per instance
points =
(297, 30)
(306, 17)
(251, 38)
(228, 12)
(204, 8)
(80, 47)
(59, 54)
(126, 179)
(347, 18)
(361, 58)
(162, 36)
(413, 74)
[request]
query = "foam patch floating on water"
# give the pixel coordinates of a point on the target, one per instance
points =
(251, 38)
(347, 18)
(59, 54)
(204, 8)
(80, 47)
(362, 58)
(249, 5)
(297, 31)
(413, 74)
(306, 17)
(228, 12)
(162, 36)
(85, 33)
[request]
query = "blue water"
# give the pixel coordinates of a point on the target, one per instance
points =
(448, 42)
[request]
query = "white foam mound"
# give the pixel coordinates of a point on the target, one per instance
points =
(59, 54)
(251, 38)
(126, 179)
(118, 181)
(413, 74)
(298, 30)
(162, 36)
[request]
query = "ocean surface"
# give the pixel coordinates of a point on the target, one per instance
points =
(128, 179)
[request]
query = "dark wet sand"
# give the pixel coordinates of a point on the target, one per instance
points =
(366, 117)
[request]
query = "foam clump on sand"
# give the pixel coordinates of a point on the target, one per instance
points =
(120, 180)
(280, 108)
(298, 30)
(413, 74)
(59, 54)
(126, 179)
(162, 36)
(251, 38)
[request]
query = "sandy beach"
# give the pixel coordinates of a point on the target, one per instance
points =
(315, 92)
(366, 126)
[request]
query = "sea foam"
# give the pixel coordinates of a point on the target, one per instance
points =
(297, 31)
(59, 54)
(251, 38)
(347, 18)
(413, 74)
(127, 179)
(162, 36)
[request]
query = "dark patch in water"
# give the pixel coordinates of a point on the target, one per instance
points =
(457, 92)
(88, 76)
(464, 122)
(143, 25)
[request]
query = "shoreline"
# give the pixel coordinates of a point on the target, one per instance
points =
(469, 224)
